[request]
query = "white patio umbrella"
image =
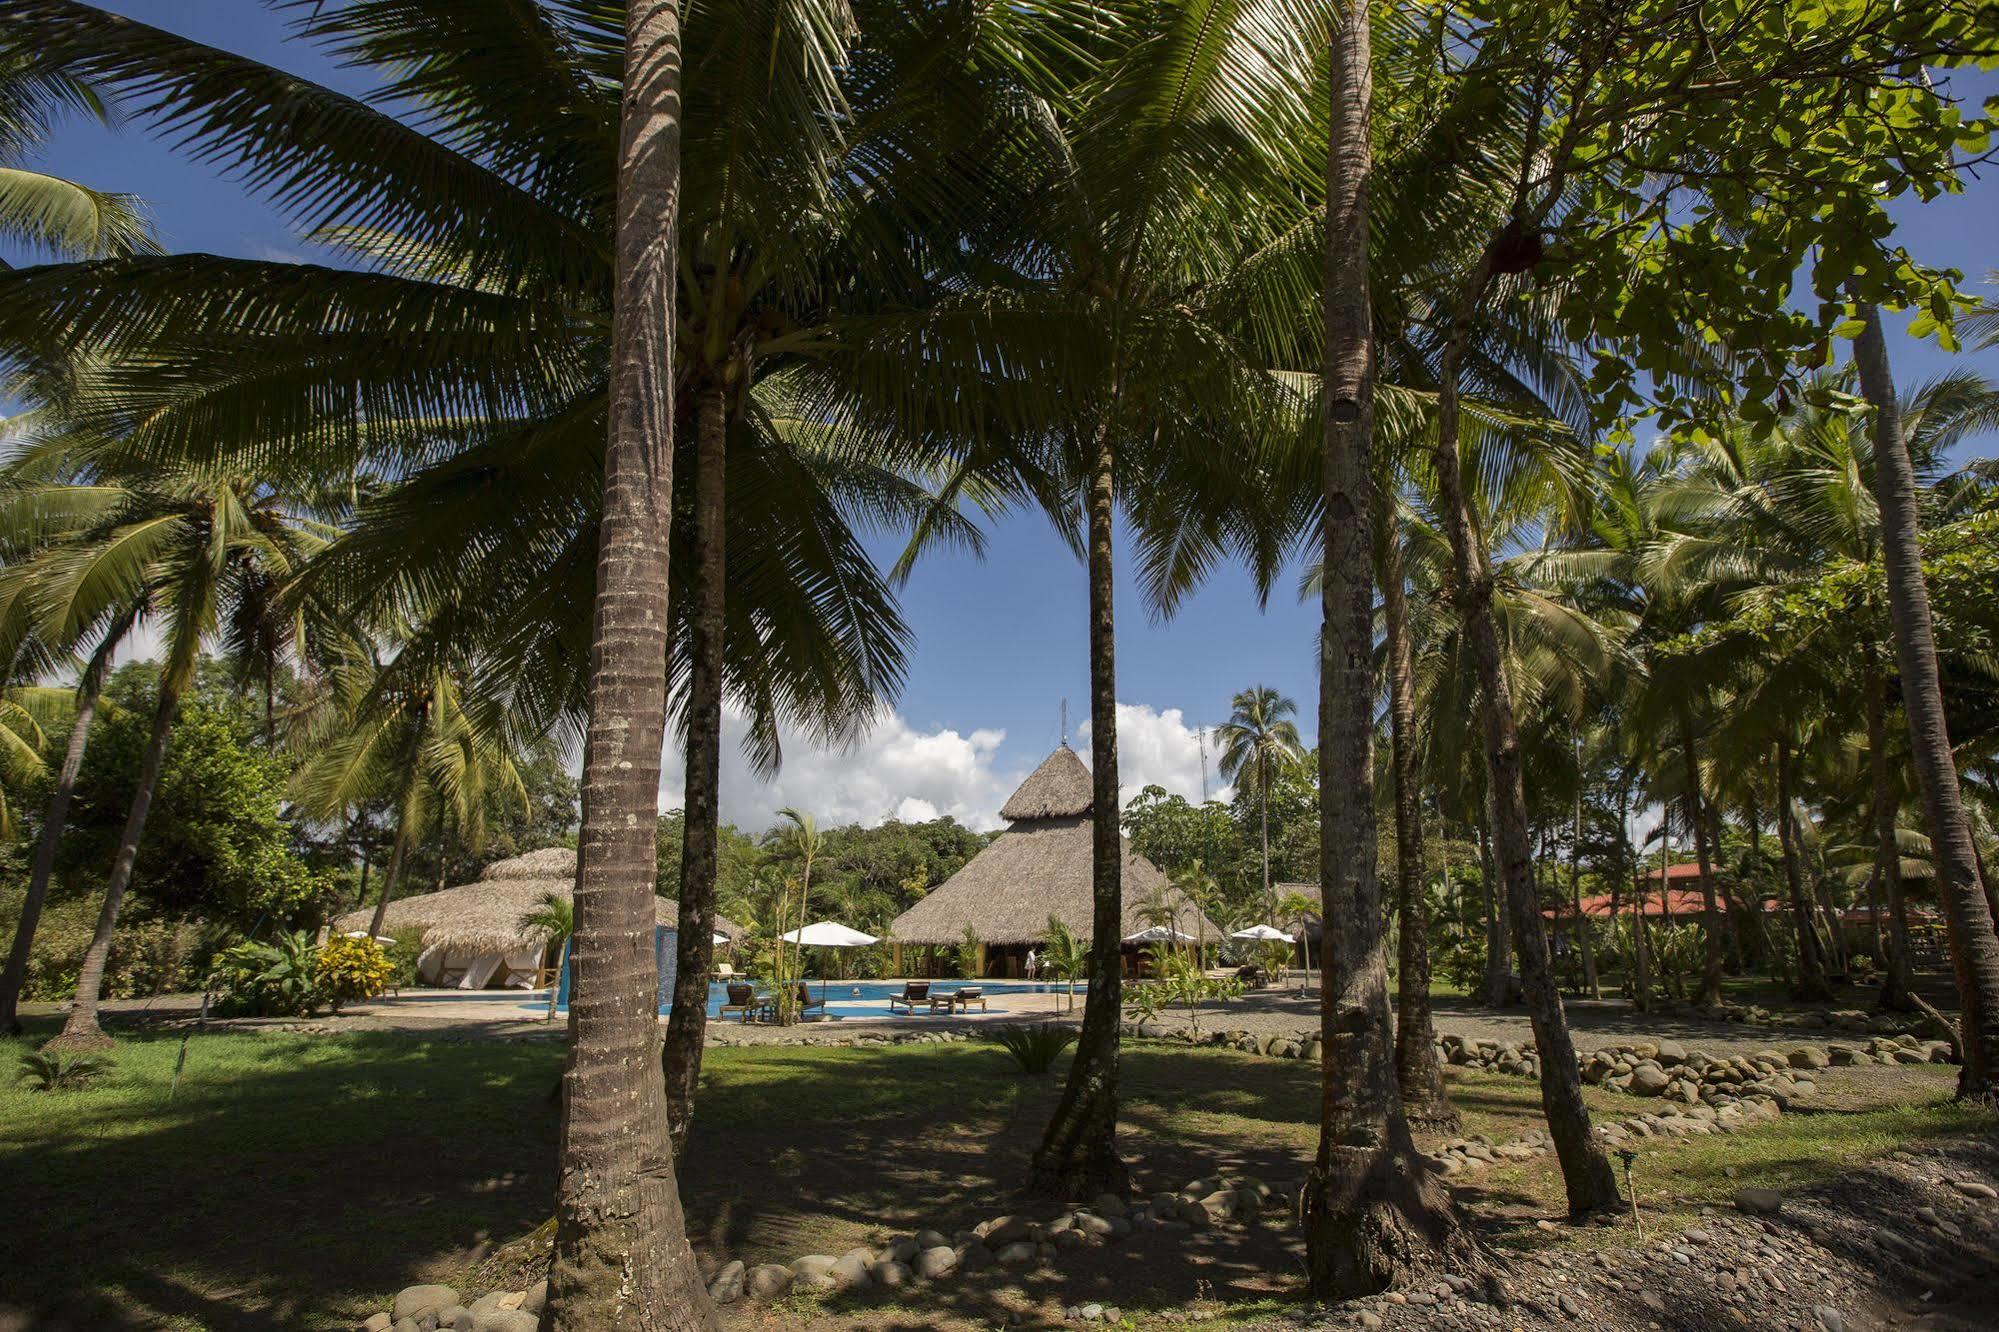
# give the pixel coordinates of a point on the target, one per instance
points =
(828, 934)
(1159, 934)
(719, 938)
(1262, 934)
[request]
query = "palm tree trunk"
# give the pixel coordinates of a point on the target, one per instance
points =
(1710, 917)
(621, 1257)
(81, 1031)
(1811, 963)
(1576, 886)
(1417, 1070)
(1373, 1213)
(16, 974)
(1498, 953)
(694, 949)
(1078, 1156)
(1263, 811)
(1586, 1171)
(398, 854)
(1968, 914)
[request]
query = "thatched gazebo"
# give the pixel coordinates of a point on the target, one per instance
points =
(472, 938)
(1040, 867)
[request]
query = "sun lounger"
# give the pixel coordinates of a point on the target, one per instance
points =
(742, 998)
(724, 972)
(913, 993)
(807, 1005)
(961, 1000)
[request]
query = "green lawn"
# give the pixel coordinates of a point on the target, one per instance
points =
(295, 1181)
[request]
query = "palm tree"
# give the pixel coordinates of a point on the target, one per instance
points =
(89, 686)
(48, 213)
(1973, 945)
(799, 841)
(621, 1254)
(420, 738)
(1139, 211)
(553, 917)
(1064, 957)
(1260, 737)
(1419, 1075)
(185, 547)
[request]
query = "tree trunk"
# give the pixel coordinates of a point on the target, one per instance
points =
(1811, 964)
(1374, 1214)
(621, 1257)
(1583, 942)
(16, 974)
(80, 1031)
(1898, 975)
(1417, 1069)
(1263, 803)
(1968, 914)
(1498, 956)
(1710, 917)
(1586, 1171)
(694, 948)
(398, 853)
(1078, 1156)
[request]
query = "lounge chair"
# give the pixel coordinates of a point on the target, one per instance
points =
(724, 972)
(806, 1003)
(961, 1000)
(742, 999)
(913, 993)
(1253, 976)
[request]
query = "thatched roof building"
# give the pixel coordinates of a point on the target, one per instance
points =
(1038, 867)
(484, 916)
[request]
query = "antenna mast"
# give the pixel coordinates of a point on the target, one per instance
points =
(1202, 732)
(1065, 723)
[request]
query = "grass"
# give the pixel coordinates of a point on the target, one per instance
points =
(297, 1181)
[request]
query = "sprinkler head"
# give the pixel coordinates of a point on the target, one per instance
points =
(1626, 1155)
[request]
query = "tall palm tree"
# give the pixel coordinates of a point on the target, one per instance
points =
(89, 687)
(621, 1254)
(1374, 1212)
(184, 547)
(1974, 947)
(1260, 738)
(1155, 192)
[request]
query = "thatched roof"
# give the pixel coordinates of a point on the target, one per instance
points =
(485, 916)
(1058, 789)
(1038, 867)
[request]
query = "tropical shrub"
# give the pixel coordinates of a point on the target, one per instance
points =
(1034, 1047)
(255, 979)
(1460, 960)
(345, 969)
(402, 955)
(61, 1070)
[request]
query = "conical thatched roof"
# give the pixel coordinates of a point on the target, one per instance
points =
(1040, 866)
(1058, 789)
(485, 916)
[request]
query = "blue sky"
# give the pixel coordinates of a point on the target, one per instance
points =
(1000, 642)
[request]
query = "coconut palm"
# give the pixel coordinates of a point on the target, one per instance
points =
(46, 213)
(1974, 946)
(1260, 741)
(421, 740)
(184, 547)
(1064, 957)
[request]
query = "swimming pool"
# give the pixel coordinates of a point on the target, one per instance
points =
(869, 998)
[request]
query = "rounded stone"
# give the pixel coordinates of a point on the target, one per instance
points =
(939, 1260)
(768, 1281)
(417, 1301)
(727, 1287)
(813, 1272)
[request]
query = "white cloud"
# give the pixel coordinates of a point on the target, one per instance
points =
(895, 771)
(899, 772)
(1159, 748)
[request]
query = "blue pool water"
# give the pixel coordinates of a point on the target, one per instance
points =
(869, 999)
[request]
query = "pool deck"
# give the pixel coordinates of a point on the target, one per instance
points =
(520, 1015)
